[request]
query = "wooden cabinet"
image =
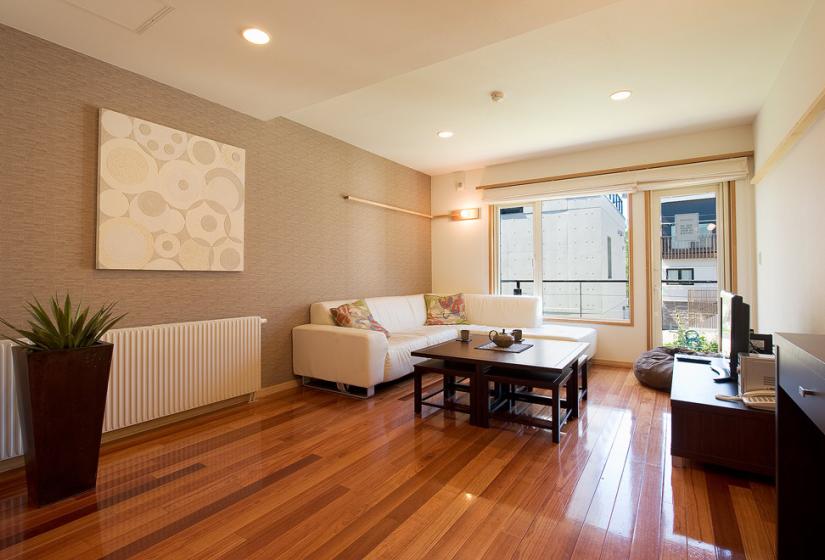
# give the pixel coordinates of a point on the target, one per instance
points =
(724, 433)
(800, 414)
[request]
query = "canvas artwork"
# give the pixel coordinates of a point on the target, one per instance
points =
(167, 200)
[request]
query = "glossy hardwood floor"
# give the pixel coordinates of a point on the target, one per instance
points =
(308, 474)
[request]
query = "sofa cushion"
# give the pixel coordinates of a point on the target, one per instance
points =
(517, 312)
(398, 313)
(356, 315)
(445, 310)
(394, 313)
(434, 334)
(551, 331)
(399, 361)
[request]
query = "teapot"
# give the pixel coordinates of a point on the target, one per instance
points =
(501, 339)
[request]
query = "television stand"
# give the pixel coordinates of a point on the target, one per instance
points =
(708, 430)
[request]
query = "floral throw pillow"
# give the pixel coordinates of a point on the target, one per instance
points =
(445, 310)
(357, 316)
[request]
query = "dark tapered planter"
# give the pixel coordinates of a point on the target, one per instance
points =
(61, 397)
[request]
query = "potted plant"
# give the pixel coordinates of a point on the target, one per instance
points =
(61, 375)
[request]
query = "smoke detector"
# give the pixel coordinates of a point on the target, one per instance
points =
(496, 96)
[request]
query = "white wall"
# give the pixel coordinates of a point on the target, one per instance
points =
(460, 250)
(790, 200)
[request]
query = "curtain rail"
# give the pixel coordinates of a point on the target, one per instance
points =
(387, 206)
(598, 172)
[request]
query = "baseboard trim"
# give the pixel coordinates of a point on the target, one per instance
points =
(277, 388)
(14, 463)
(612, 363)
(171, 419)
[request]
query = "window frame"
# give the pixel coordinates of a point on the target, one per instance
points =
(495, 240)
(680, 280)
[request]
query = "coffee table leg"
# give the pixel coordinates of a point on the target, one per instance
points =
(449, 387)
(573, 392)
(482, 398)
(556, 414)
(473, 399)
(417, 390)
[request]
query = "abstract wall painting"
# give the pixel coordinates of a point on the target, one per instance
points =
(167, 200)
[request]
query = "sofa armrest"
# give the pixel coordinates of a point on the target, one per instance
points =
(339, 354)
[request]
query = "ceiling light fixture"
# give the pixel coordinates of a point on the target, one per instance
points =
(445, 134)
(256, 36)
(621, 95)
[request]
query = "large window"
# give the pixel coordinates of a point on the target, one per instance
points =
(574, 252)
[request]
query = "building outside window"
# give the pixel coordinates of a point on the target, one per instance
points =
(575, 248)
(690, 289)
(679, 274)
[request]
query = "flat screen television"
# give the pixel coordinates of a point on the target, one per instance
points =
(734, 331)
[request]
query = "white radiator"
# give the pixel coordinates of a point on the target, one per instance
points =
(158, 371)
(11, 442)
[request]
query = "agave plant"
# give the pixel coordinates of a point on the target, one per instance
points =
(63, 326)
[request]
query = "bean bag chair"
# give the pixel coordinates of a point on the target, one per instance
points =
(654, 368)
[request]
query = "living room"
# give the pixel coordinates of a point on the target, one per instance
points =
(368, 279)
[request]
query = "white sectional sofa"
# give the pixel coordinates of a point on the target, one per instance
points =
(361, 358)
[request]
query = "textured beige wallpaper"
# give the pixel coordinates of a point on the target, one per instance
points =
(304, 243)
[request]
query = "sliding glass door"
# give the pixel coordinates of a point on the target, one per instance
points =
(689, 264)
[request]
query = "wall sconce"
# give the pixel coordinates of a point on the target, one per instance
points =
(465, 214)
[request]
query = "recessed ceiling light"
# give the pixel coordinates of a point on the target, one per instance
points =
(621, 95)
(256, 36)
(445, 134)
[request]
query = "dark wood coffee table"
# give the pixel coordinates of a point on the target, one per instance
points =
(548, 364)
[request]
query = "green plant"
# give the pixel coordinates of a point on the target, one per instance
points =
(63, 326)
(688, 338)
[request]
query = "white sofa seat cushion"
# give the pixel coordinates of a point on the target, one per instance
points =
(434, 334)
(399, 362)
(549, 332)
(503, 311)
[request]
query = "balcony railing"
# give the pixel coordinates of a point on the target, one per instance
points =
(697, 310)
(580, 294)
(704, 248)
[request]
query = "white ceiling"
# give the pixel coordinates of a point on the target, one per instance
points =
(691, 65)
(387, 75)
(319, 49)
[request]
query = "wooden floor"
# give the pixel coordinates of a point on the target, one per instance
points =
(308, 474)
